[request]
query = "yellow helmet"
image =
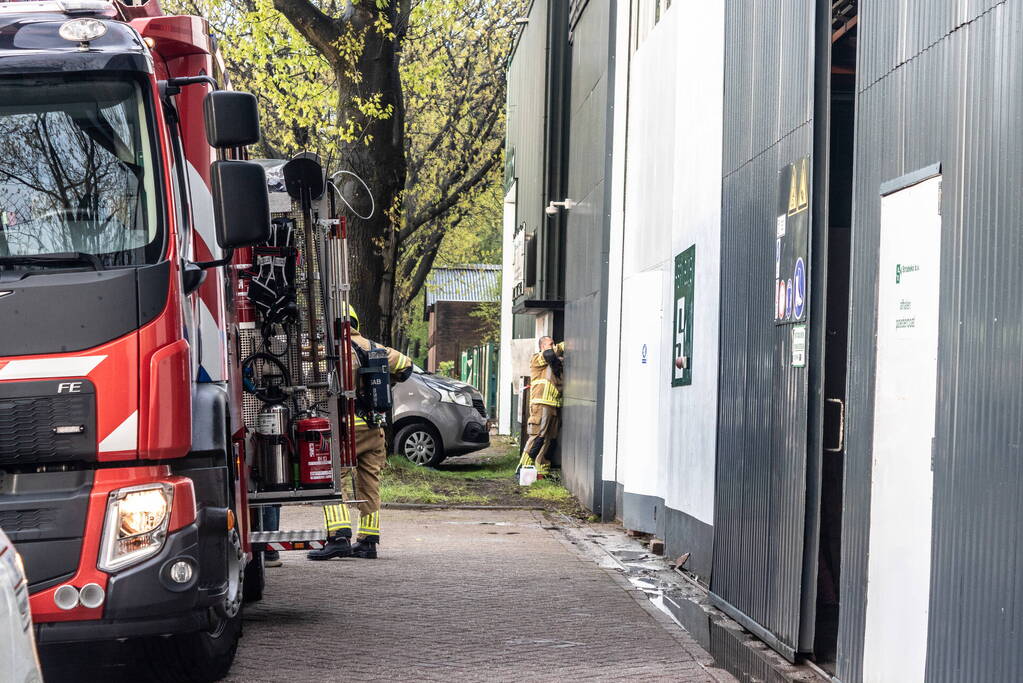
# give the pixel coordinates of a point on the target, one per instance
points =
(351, 314)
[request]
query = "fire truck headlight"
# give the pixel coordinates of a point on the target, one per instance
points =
(135, 527)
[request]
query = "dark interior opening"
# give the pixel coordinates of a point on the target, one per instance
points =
(843, 83)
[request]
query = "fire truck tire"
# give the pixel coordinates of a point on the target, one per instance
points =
(201, 657)
(205, 656)
(255, 579)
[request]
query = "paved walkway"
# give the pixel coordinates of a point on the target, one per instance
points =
(460, 595)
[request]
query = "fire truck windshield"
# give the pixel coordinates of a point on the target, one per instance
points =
(77, 172)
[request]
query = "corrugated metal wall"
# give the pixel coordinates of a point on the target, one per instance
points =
(586, 248)
(527, 112)
(940, 82)
(762, 419)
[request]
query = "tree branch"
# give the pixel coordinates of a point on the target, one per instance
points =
(315, 26)
(451, 198)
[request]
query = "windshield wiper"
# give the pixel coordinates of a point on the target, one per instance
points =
(65, 257)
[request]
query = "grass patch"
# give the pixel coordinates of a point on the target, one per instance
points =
(421, 492)
(494, 468)
(486, 478)
(548, 490)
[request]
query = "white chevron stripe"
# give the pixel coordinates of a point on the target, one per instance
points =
(45, 368)
(124, 438)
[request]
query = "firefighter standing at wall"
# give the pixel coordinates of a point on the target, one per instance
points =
(544, 403)
(371, 455)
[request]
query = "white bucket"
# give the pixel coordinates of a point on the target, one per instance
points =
(527, 476)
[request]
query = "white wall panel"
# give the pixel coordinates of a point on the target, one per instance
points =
(673, 201)
(697, 220)
(640, 409)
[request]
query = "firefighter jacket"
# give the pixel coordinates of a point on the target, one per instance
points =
(399, 364)
(545, 377)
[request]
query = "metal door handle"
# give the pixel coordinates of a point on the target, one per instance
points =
(841, 425)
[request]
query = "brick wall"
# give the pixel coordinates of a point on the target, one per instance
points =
(452, 330)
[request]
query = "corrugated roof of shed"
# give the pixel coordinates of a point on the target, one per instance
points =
(471, 282)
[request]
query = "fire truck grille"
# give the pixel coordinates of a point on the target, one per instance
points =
(37, 520)
(31, 412)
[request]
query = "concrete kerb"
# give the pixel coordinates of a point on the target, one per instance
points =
(681, 600)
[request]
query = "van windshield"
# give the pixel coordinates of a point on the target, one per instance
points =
(77, 172)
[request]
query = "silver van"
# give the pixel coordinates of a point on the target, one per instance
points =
(437, 417)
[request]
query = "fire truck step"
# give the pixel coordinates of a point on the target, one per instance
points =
(302, 539)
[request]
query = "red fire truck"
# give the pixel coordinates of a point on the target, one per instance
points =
(123, 195)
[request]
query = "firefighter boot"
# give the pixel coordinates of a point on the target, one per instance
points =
(369, 536)
(339, 534)
(338, 546)
(365, 548)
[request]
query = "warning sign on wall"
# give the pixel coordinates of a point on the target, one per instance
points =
(792, 242)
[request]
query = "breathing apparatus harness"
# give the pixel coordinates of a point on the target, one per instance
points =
(272, 289)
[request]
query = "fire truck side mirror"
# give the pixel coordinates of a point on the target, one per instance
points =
(241, 206)
(232, 119)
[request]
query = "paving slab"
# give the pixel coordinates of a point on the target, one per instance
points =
(461, 595)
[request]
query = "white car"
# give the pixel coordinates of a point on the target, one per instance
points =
(19, 662)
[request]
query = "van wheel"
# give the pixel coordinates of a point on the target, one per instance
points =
(420, 443)
(204, 656)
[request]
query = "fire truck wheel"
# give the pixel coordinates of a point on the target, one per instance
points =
(255, 579)
(205, 656)
(420, 443)
(201, 657)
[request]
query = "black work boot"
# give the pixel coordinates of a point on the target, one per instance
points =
(365, 548)
(339, 546)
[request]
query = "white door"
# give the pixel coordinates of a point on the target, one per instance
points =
(902, 482)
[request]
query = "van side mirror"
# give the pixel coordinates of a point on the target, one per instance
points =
(232, 119)
(241, 206)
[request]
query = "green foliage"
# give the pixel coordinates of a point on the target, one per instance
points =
(446, 368)
(309, 73)
(417, 333)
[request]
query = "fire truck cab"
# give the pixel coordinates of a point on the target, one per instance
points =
(123, 191)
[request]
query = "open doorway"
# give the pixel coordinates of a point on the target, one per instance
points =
(842, 129)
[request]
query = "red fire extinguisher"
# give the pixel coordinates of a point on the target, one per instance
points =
(315, 470)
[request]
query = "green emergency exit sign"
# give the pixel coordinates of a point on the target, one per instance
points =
(682, 343)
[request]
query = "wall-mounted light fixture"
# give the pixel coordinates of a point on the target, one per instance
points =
(567, 205)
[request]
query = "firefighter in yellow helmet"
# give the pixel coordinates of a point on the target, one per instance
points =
(371, 455)
(544, 403)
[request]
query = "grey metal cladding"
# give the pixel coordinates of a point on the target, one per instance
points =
(902, 29)
(586, 248)
(769, 53)
(526, 116)
(580, 413)
(762, 416)
(948, 92)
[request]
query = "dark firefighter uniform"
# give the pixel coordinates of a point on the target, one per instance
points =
(544, 403)
(371, 455)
